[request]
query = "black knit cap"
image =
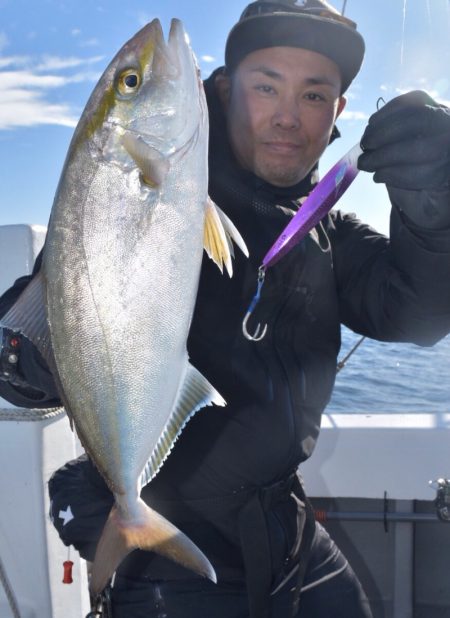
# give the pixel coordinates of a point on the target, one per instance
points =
(308, 24)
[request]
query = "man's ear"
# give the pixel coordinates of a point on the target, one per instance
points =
(223, 89)
(335, 133)
(341, 104)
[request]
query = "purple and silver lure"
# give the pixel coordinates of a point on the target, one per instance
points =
(319, 202)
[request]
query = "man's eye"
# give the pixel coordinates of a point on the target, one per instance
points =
(313, 96)
(265, 88)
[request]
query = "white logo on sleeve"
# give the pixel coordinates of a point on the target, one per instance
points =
(66, 515)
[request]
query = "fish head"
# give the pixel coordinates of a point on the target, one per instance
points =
(149, 103)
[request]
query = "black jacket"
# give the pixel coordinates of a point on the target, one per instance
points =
(276, 389)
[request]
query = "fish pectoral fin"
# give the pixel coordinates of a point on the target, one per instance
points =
(194, 393)
(151, 532)
(28, 317)
(219, 235)
(153, 165)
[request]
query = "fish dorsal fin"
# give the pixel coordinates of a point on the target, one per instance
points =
(28, 317)
(153, 165)
(219, 235)
(195, 393)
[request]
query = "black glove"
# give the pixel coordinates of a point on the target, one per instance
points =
(407, 145)
(80, 505)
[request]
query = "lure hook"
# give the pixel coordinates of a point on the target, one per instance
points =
(257, 335)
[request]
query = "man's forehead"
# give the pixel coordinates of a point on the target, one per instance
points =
(288, 62)
(316, 79)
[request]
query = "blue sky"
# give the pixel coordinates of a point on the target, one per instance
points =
(52, 52)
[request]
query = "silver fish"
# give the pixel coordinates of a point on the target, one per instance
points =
(119, 281)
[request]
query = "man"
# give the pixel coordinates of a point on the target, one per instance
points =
(230, 483)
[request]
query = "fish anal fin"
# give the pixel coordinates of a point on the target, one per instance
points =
(195, 393)
(148, 531)
(219, 235)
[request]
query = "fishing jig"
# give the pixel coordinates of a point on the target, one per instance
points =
(320, 201)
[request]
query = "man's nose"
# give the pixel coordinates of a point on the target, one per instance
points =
(287, 115)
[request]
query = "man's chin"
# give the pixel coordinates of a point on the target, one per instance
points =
(280, 176)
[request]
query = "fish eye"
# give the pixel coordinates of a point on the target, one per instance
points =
(128, 82)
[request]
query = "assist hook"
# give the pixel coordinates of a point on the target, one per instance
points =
(256, 336)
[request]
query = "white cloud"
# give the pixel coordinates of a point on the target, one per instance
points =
(22, 108)
(86, 76)
(28, 79)
(207, 58)
(7, 61)
(28, 88)
(55, 63)
(354, 92)
(353, 115)
(90, 43)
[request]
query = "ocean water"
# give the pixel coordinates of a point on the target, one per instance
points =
(392, 377)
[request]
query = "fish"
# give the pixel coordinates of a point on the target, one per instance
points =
(111, 307)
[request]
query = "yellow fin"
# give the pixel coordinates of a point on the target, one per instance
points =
(149, 531)
(218, 236)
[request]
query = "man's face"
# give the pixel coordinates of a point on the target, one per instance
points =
(281, 104)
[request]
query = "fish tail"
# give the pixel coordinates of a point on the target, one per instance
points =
(150, 531)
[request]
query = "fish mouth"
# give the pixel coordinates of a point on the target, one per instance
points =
(174, 61)
(169, 57)
(173, 57)
(165, 61)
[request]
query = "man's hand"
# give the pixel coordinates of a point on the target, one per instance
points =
(407, 145)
